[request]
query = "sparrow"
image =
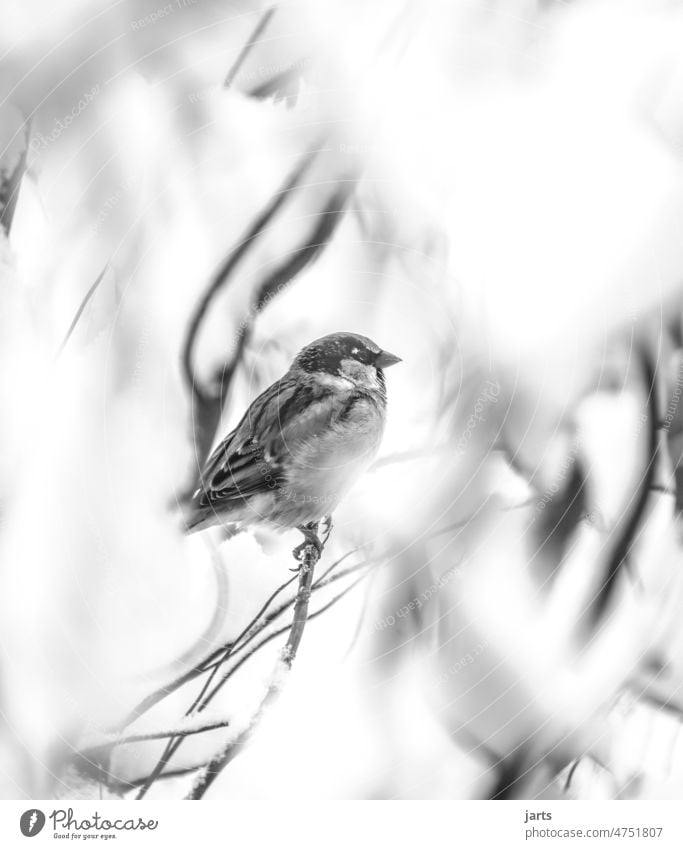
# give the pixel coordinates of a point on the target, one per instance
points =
(301, 444)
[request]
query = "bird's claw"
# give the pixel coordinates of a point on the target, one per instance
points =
(327, 528)
(310, 538)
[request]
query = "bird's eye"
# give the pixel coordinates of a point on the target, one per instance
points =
(354, 351)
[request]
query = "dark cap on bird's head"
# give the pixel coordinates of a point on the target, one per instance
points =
(326, 354)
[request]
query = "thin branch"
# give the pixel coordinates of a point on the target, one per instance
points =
(235, 646)
(210, 403)
(269, 637)
(118, 785)
(155, 735)
(223, 273)
(89, 757)
(230, 648)
(218, 763)
(79, 312)
(199, 704)
(244, 52)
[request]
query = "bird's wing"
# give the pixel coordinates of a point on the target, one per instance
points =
(252, 459)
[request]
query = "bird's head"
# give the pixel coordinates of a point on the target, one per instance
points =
(348, 356)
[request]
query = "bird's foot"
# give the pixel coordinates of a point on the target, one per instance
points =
(311, 537)
(327, 528)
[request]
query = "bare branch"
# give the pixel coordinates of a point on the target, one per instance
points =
(222, 275)
(79, 312)
(244, 52)
(92, 751)
(218, 763)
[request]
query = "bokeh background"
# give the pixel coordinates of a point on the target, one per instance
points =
(494, 191)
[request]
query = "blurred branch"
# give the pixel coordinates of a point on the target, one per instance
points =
(84, 303)
(222, 276)
(626, 534)
(208, 403)
(11, 177)
(244, 52)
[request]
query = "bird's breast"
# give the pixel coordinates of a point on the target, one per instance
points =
(326, 464)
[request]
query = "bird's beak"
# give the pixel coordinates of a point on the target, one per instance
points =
(385, 359)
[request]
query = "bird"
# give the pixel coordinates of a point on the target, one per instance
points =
(301, 444)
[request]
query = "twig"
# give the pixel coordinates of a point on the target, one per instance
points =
(210, 403)
(223, 273)
(235, 645)
(244, 52)
(92, 759)
(79, 312)
(155, 735)
(230, 648)
(218, 763)
(230, 672)
(199, 704)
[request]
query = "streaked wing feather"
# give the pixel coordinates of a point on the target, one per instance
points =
(283, 416)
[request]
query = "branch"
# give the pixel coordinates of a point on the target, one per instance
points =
(10, 180)
(225, 270)
(244, 52)
(91, 759)
(218, 763)
(210, 402)
(202, 701)
(154, 735)
(79, 312)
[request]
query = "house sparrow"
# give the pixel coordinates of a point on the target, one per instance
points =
(301, 444)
